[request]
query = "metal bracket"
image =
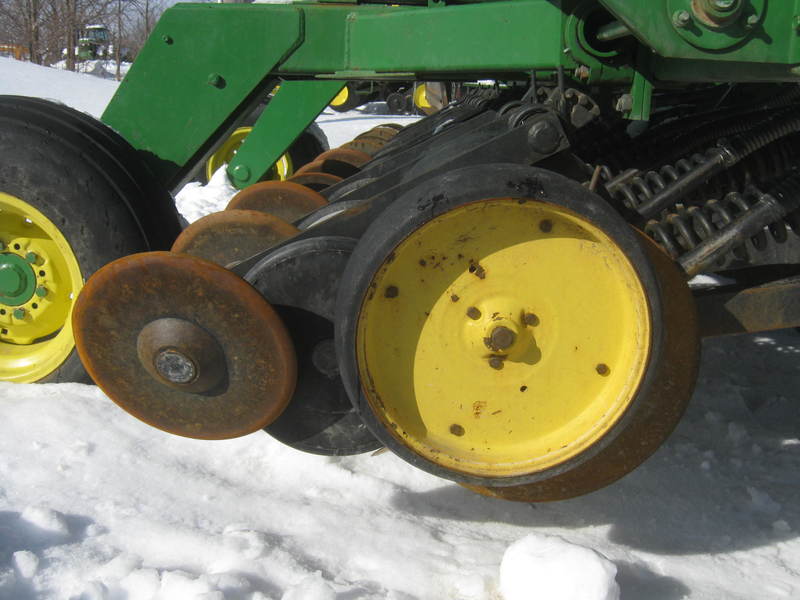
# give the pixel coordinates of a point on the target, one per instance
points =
(295, 105)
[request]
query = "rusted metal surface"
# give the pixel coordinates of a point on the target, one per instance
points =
(368, 144)
(355, 158)
(669, 393)
(119, 302)
(382, 132)
(315, 180)
(232, 235)
(775, 305)
(334, 166)
(286, 200)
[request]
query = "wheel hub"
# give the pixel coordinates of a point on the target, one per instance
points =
(17, 280)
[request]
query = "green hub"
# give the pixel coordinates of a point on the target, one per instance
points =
(17, 280)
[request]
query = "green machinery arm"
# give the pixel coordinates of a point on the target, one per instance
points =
(206, 65)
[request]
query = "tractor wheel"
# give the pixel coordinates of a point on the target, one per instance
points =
(396, 103)
(347, 99)
(503, 326)
(73, 196)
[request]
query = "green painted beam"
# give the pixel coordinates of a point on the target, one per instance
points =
(195, 75)
(289, 112)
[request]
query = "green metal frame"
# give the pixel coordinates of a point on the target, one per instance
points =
(206, 65)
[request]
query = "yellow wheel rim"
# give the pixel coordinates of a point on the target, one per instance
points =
(39, 280)
(502, 338)
(280, 171)
(341, 97)
(420, 99)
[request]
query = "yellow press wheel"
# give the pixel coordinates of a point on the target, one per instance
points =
(503, 326)
(280, 171)
(39, 279)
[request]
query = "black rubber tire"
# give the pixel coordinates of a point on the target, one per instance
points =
(396, 103)
(88, 182)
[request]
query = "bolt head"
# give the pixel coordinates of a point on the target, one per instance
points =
(242, 172)
(752, 21)
(31, 257)
(175, 366)
(544, 138)
(724, 4)
(41, 291)
(681, 18)
(530, 319)
(216, 80)
(19, 313)
(501, 338)
(496, 362)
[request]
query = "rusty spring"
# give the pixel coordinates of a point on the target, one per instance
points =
(688, 226)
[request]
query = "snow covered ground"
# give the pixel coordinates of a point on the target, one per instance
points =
(95, 505)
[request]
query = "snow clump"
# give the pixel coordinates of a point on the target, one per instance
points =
(541, 566)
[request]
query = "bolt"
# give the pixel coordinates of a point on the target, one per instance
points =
(166, 39)
(216, 80)
(724, 4)
(19, 313)
(602, 369)
(32, 258)
(530, 319)
(752, 21)
(473, 313)
(496, 362)
(543, 137)
(501, 338)
(796, 23)
(546, 225)
(241, 172)
(175, 366)
(624, 103)
(681, 18)
(582, 72)
(391, 291)
(41, 291)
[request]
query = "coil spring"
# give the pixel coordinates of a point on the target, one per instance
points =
(764, 166)
(634, 190)
(683, 230)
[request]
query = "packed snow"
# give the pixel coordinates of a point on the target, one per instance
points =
(95, 505)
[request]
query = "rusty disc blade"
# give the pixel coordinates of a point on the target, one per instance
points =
(232, 235)
(382, 132)
(354, 158)
(369, 145)
(674, 383)
(316, 181)
(235, 377)
(286, 200)
(334, 167)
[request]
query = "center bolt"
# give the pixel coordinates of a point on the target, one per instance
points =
(501, 338)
